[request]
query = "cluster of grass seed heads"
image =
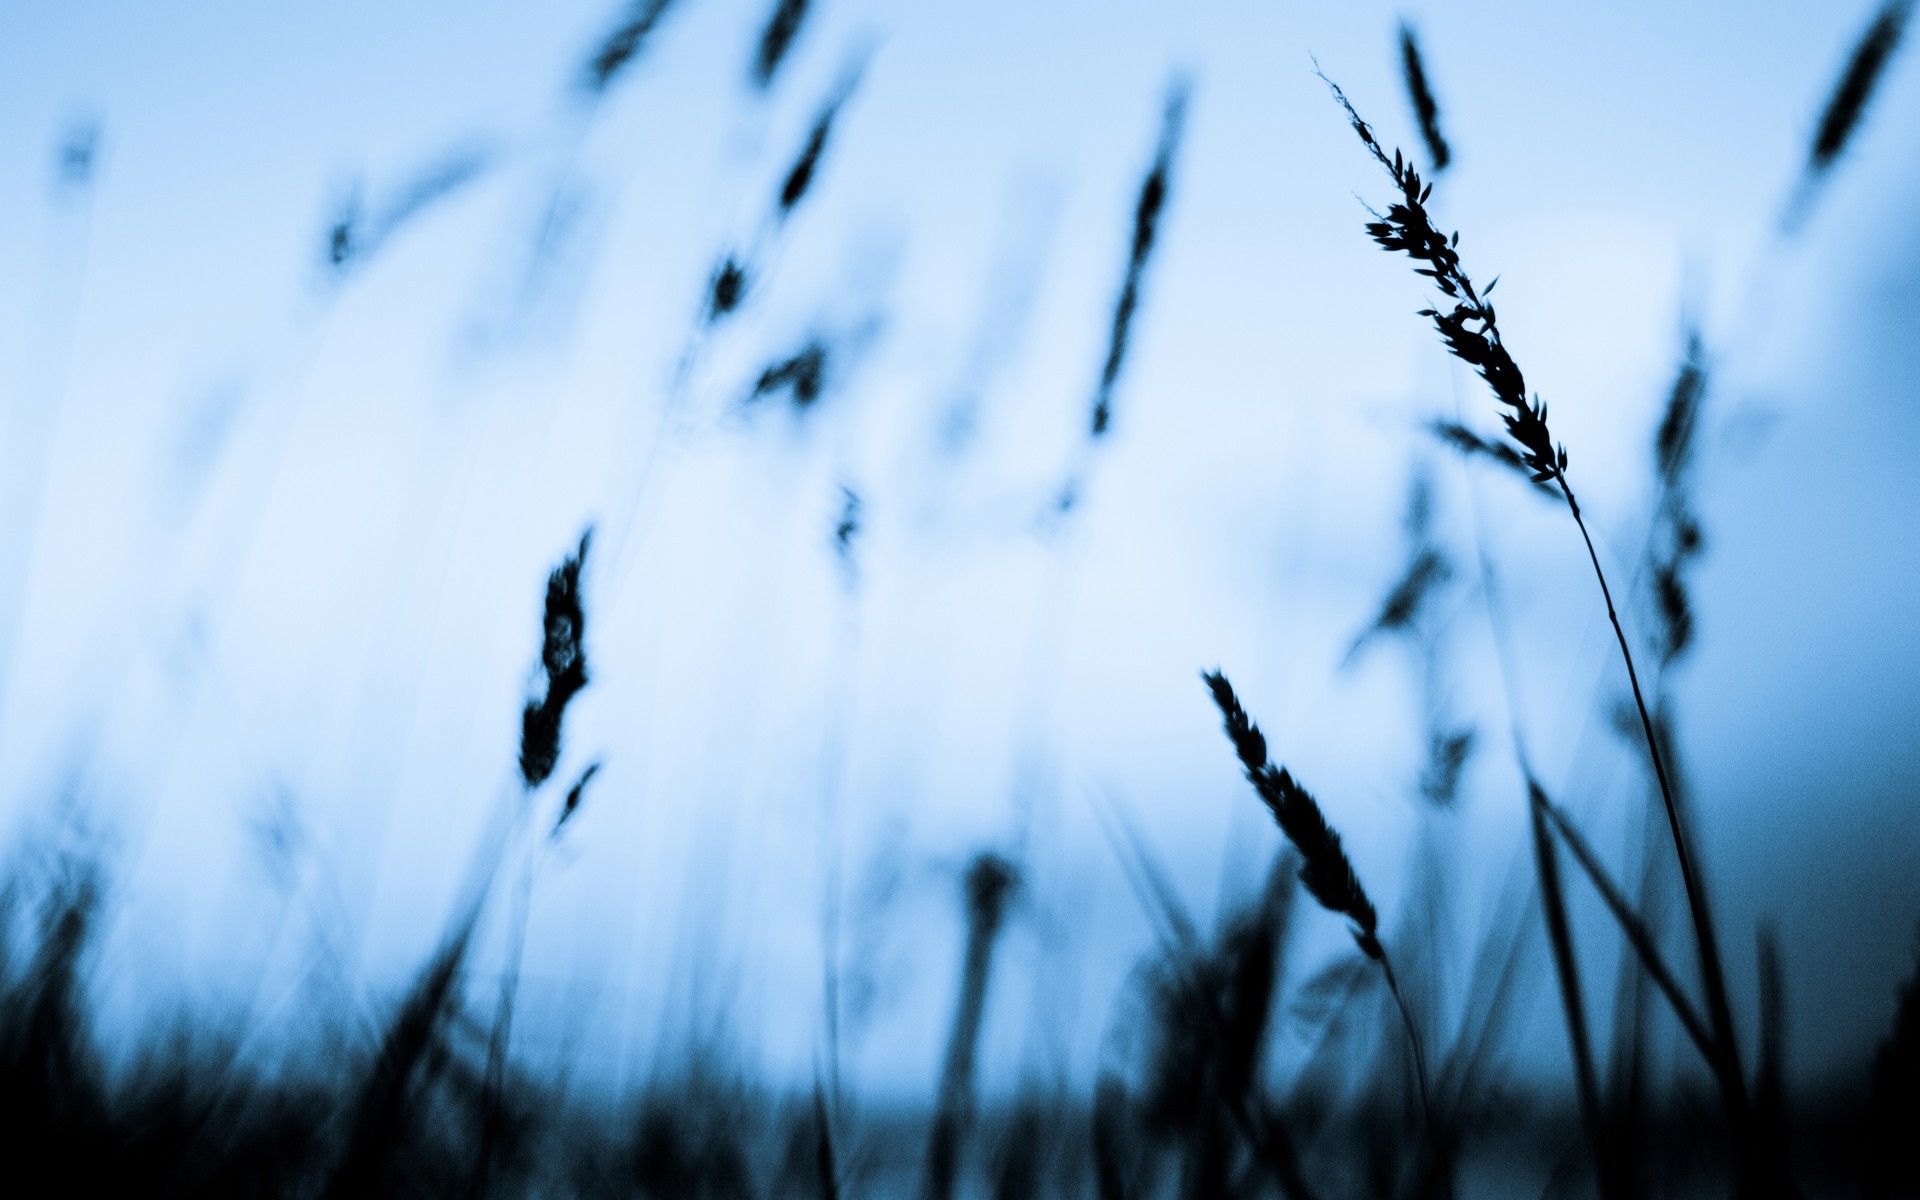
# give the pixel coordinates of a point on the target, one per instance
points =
(1470, 328)
(563, 660)
(1325, 871)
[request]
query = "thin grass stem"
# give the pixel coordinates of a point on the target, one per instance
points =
(1712, 978)
(1567, 970)
(1419, 1062)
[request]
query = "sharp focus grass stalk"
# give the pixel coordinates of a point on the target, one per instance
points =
(1471, 332)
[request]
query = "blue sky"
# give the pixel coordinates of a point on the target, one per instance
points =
(282, 536)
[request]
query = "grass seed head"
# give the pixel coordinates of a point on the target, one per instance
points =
(575, 794)
(1673, 444)
(1325, 870)
(1470, 328)
(1864, 70)
(800, 176)
(563, 660)
(783, 25)
(803, 375)
(1420, 93)
(622, 45)
(728, 289)
(1146, 224)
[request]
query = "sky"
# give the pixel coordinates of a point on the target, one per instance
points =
(277, 534)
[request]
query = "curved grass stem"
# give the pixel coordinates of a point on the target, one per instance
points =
(1712, 977)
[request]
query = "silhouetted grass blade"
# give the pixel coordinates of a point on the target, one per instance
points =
(622, 45)
(783, 25)
(1146, 224)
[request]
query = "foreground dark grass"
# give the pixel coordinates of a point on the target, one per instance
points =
(1190, 1108)
(1753, 1133)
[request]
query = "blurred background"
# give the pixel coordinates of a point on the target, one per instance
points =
(327, 331)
